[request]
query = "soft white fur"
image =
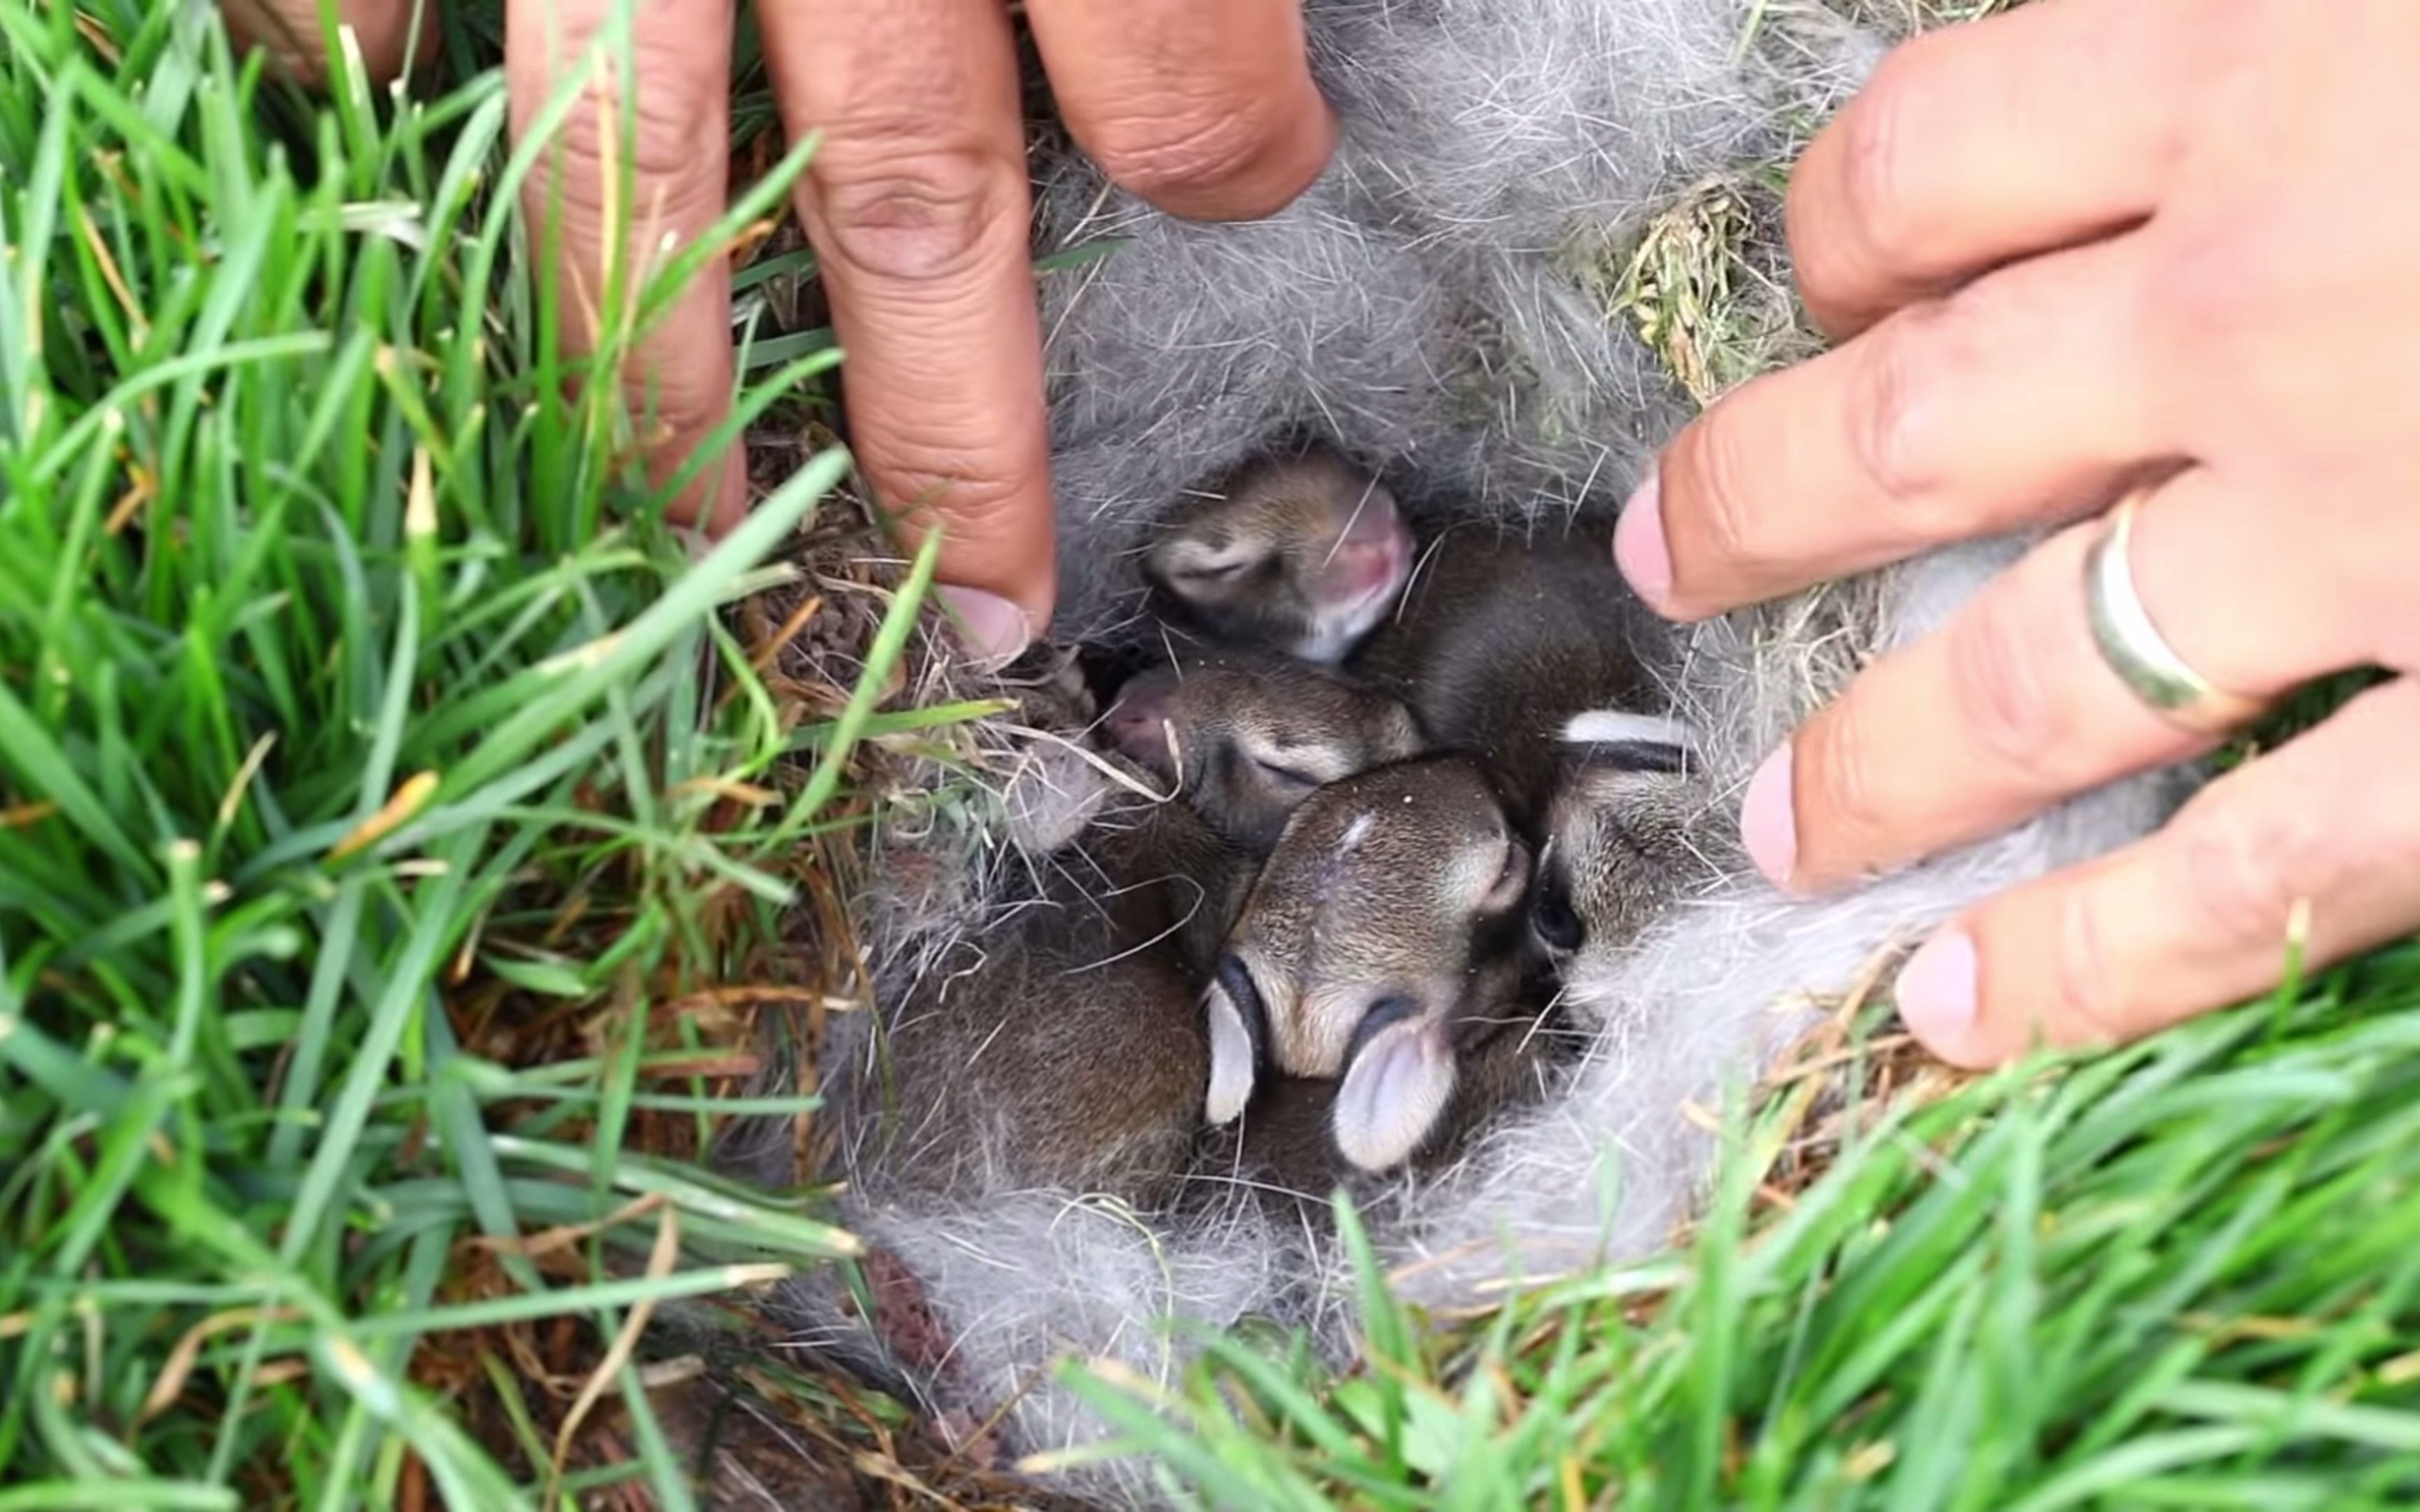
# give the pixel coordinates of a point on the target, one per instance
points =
(1731, 975)
(1412, 307)
(1615, 726)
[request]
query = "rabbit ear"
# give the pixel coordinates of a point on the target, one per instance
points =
(1183, 556)
(1236, 1024)
(1230, 1060)
(1393, 1093)
(1631, 742)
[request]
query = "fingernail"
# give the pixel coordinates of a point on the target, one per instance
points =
(1936, 990)
(994, 629)
(1768, 827)
(1639, 548)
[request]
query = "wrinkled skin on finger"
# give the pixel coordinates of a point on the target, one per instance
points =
(2090, 245)
(2313, 849)
(917, 207)
(2230, 320)
(679, 381)
(289, 31)
(1204, 107)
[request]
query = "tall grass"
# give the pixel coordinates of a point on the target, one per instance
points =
(356, 708)
(378, 780)
(2183, 1276)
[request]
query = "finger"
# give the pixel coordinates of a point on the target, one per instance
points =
(289, 30)
(680, 379)
(2326, 827)
(2010, 707)
(917, 205)
(2015, 401)
(1204, 107)
(1975, 145)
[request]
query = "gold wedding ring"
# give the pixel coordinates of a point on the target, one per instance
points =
(2133, 647)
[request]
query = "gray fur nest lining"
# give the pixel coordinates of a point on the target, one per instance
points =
(1415, 311)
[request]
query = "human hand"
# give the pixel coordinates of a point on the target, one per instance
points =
(917, 205)
(2083, 246)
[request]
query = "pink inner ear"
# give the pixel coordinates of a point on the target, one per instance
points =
(1393, 1094)
(1374, 553)
(1358, 568)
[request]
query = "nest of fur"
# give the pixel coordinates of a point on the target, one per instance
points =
(1433, 309)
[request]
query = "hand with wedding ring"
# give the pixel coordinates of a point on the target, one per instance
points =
(917, 204)
(2167, 251)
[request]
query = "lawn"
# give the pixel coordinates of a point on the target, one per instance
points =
(406, 839)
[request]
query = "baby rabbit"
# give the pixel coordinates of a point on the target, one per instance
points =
(1495, 642)
(1381, 941)
(1621, 837)
(1302, 555)
(1499, 645)
(1067, 1048)
(1286, 1140)
(1251, 737)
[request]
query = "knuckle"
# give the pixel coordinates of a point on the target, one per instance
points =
(2086, 1001)
(1819, 264)
(2247, 865)
(2217, 285)
(2004, 693)
(1713, 455)
(669, 123)
(1157, 156)
(1890, 434)
(924, 216)
(670, 117)
(2198, 289)
(2221, 299)
(2225, 49)
(1846, 796)
(1878, 135)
